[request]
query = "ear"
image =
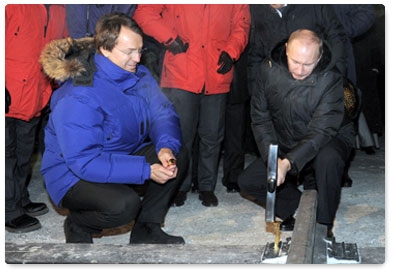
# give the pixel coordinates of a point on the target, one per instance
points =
(105, 52)
(286, 51)
(320, 57)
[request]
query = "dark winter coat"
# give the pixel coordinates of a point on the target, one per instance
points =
(268, 29)
(93, 131)
(301, 116)
(82, 18)
(356, 20)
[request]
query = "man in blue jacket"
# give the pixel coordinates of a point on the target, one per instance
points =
(111, 137)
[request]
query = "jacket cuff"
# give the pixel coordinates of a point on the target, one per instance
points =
(294, 170)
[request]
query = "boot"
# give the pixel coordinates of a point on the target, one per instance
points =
(151, 233)
(329, 231)
(179, 199)
(329, 238)
(288, 224)
(75, 234)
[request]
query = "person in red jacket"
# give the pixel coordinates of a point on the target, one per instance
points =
(202, 42)
(27, 29)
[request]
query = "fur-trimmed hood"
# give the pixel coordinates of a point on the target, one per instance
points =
(70, 58)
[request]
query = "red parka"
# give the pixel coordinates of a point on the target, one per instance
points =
(209, 29)
(27, 29)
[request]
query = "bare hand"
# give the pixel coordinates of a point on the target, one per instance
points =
(168, 169)
(162, 174)
(283, 167)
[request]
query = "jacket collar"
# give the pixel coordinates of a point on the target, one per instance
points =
(121, 77)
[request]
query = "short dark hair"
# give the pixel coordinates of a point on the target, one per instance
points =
(108, 28)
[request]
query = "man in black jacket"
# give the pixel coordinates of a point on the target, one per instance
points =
(273, 23)
(298, 104)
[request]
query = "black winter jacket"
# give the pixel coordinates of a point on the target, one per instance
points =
(301, 116)
(268, 29)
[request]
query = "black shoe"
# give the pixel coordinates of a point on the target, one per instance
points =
(329, 238)
(288, 224)
(75, 234)
(368, 150)
(232, 188)
(195, 187)
(35, 209)
(208, 198)
(23, 223)
(179, 199)
(346, 181)
(151, 233)
(329, 231)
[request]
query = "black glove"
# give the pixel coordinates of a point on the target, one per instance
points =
(7, 100)
(225, 62)
(177, 46)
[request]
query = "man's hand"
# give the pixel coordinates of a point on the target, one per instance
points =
(283, 167)
(225, 62)
(177, 46)
(161, 175)
(168, 169)
(167, 158)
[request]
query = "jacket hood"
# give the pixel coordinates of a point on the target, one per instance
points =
(69, 58)
(326, 63)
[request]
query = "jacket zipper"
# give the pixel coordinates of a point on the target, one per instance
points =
(47, 7)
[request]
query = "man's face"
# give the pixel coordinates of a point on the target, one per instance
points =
(276, 6)
(302, 58)
(127, 52)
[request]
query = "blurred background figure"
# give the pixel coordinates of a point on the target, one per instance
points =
(202, 42)
(28, 28)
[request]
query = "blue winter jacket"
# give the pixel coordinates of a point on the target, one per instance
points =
(93, 131)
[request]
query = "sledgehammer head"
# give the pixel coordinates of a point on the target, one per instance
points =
(271, 183)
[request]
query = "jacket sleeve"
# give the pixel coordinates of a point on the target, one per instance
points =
(256, 52)
(80, 135)
(261, 117)
(356, 19)
(241, 23)
(334, 34)
(153, 24)
(324, 125)
(165, 129)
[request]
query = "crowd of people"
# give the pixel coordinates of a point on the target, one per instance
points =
(134, 106)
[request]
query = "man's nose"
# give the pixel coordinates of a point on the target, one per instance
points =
(300, 70)
(136, 58)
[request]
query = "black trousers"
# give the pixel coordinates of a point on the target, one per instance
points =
(201, 117)
(19, 145)
(324, 173)
(96, 206)
(235, 127)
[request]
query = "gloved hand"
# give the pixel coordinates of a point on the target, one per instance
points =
(225, 62)
(7, 100)
(177, 46)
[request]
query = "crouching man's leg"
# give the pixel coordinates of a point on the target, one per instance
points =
(329, 168)
(253, 184)
(155, 204)
(97, 206)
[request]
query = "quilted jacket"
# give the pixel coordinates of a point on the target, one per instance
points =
(94, 129)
